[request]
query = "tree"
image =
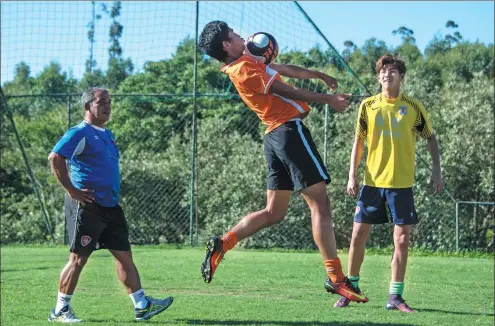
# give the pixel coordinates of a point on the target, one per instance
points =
(364, 59)
(436, 46)
(118, 68)
(406, 34)
(349, 48)
(456, 37)
(90, 62)
(22, 72)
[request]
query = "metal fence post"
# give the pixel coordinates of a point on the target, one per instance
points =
(68, 111)
(457, 226)
(192, 208)
(28, 166)
(68, 127)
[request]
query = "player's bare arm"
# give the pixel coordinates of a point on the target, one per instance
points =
(338, 102)
(59, 170)
(436, 174)
(292, 71)
(356, 154)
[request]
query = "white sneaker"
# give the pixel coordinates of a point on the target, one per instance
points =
(66, 315)
(154, 307)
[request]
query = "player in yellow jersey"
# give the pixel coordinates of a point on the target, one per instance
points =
(389, 122)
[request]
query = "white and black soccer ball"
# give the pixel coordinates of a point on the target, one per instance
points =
(263, 46)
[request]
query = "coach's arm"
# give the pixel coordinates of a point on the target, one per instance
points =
(58, 167)
(292, 71)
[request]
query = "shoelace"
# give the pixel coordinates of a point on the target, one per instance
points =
(402, 301)
(69, 313)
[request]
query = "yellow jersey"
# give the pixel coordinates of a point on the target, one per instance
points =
(390, 127)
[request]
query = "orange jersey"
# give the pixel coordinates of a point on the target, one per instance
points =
(253, 80)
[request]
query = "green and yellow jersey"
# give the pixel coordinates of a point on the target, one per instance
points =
(390, 127)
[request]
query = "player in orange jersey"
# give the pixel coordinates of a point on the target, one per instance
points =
(293, 160)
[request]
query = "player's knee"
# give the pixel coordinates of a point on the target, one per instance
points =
(402, 240)
(77, 261)
(125, 261)
(321, 210)
(358, 235)
(275, 216)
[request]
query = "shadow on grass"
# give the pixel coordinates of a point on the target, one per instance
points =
(5, 270)
(457, 312)
(282, 323)
(130, 321)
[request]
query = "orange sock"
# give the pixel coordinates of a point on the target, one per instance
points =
(229, 240)
(334, 270)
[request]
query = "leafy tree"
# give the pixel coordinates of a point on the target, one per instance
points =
(95, 78)
(406, 34)
(349, 48)
(454, 38)
(453, 80)
(91, 62)
(436, 46)
(118, 68)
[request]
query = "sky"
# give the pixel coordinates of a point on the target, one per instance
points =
(359, 20)
(39, 32)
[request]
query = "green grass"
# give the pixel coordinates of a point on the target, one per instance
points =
(250, 288)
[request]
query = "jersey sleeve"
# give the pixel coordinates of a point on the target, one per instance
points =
(72, 143)
(422, 124)
(362, 122)
(254, 79)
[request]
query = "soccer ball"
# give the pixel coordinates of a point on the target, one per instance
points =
(262, 46)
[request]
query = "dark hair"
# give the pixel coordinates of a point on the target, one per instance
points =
(388, 59)
(211, 38)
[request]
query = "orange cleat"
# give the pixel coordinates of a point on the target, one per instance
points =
(213, 257)
(345, 289)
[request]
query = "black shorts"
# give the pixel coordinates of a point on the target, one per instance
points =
(292, 157)
(92, 226)
(371, 209)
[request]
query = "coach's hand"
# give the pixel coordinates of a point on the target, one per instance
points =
(352, 186)
(82, 195)
(436, 181)
(330, 81)
(339, 102)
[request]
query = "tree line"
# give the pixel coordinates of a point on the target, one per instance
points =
(453, 78)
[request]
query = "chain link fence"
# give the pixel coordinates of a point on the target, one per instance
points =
(155, 139)
(192, 161)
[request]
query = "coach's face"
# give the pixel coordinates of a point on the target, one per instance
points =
(100, 107)
(235, 45)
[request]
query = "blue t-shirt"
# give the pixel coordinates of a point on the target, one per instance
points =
(94, 161)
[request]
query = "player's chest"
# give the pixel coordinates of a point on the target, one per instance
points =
(101, 146)
(396, 116)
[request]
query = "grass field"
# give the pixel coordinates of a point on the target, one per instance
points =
(250, 288)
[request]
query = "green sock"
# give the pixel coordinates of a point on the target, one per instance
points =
(397, 288)
(354, 280)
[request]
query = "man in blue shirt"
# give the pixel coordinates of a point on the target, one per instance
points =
(94, 217)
